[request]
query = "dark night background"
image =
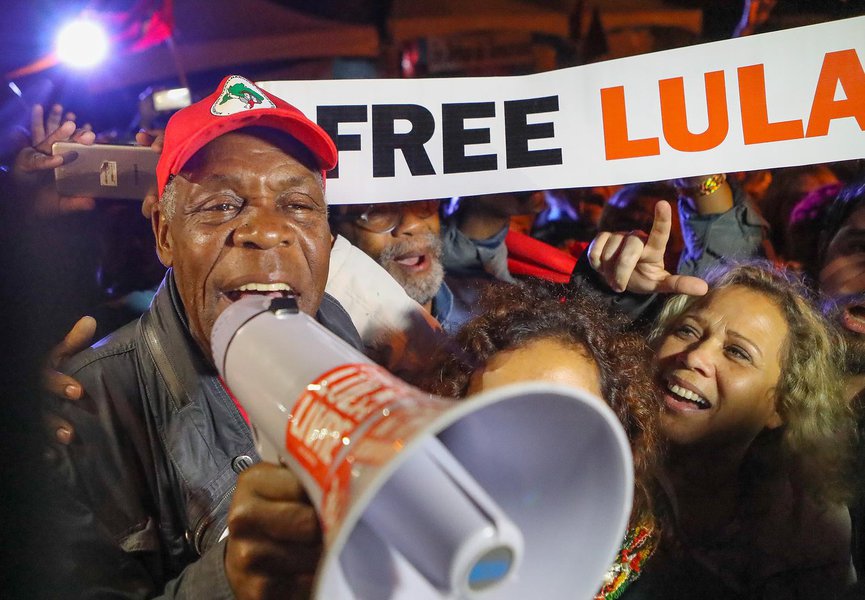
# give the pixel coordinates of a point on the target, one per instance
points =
(31, 285)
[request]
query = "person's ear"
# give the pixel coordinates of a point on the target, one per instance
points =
(162, 234)
(775, 420)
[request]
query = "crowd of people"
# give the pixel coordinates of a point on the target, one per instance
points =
(721, 317)
(724, 334)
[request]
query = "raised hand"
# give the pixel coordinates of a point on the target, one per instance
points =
(634, 262)
(754, 15)
(36, 158)
(44, 131)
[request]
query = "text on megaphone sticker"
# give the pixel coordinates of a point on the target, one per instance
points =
(351, 416)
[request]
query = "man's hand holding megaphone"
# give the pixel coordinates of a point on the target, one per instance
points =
(275, 542)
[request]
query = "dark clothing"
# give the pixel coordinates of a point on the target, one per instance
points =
(144, 492)
(857, 505)
(639, 308)
(713, 239)
(470, 266)
(457, 300)
(443, 307)
(681, 578)
(462, 255)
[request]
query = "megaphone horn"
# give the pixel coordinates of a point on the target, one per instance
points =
(524, 491)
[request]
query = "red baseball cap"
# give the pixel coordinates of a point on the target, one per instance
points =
(237, 103)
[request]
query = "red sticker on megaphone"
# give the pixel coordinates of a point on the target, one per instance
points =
(353, 416)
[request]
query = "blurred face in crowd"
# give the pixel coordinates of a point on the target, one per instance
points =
(842, 280)
(590, 207)
(249, 218)
(755, 183)
(628, 211)
(403, 237)
(810, 181)
(544, 359)
(719, 365)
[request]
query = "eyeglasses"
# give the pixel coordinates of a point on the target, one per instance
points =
(384, 218)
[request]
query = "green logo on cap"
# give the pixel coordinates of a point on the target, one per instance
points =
(244, 93)
(239, 95)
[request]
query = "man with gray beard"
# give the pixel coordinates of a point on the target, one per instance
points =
(848, 311)
(441, 265)
(842, 281)
(842, 277)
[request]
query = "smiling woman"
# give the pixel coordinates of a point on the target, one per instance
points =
(760, 439)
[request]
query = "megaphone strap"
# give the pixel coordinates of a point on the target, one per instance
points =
(239, 406)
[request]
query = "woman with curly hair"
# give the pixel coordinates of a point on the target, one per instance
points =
(759, 438)
(758, 433)
(539, 331)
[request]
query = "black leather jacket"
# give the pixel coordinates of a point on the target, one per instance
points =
(143, 492)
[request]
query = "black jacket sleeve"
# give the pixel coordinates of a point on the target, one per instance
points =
(640, 308)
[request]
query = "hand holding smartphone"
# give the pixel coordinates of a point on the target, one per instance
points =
(105, 170)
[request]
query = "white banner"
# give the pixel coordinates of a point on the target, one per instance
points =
(779, 99)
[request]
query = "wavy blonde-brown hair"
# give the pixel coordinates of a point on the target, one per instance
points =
(816, 440)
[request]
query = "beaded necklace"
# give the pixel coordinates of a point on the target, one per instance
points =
(639, 544)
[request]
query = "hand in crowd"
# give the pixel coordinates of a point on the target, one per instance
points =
(63, 386)
(274, 543)
(508, 204)
(635, 263)
(483, 216)
(34, 160)
(754, 15)
(153, 138)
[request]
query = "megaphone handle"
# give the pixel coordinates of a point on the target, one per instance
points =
(266, 450)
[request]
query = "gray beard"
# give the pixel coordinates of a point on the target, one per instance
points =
(854, 354)
(421, 287)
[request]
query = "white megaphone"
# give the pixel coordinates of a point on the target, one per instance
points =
(521, 492)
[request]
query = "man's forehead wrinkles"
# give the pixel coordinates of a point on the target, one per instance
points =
(272, 178)
(217, 178)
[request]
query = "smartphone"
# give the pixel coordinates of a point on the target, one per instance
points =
(105, 170)
(168, 100)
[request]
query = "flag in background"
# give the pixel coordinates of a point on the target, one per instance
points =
(146, 24)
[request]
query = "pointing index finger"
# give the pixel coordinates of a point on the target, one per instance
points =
(656, 245)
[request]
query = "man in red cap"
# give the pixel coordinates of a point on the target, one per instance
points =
(150, 487)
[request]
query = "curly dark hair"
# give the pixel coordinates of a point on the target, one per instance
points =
(514, 315)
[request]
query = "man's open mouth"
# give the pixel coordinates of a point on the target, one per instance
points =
(270, 290)
(853, 318)
(412, 261)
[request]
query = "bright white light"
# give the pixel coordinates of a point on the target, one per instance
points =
(82, 43)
